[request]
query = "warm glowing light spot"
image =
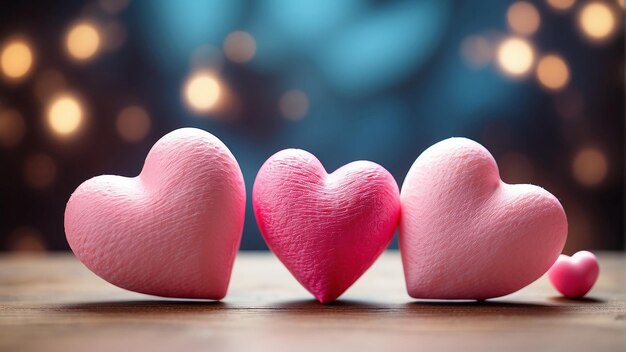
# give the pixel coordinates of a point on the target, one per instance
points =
(590, 167)
(523, 18)
(16, 59)
(83, 41)
(239, 47)
(515, 56)
(552, 72)
(621, 3)
(476, 51)
(596, 20)
(202, 91)
(12, 128)
(40, 171)
(26, 240)
(561, 4)
(294, 104)
(65, 115)
(133, 123)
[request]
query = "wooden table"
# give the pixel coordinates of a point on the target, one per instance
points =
(53, 303)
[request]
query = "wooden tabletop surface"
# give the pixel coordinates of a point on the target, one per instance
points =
(53, 303)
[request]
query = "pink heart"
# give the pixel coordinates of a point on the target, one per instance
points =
(574, 276)
(327, 229)
(465, 234)
(172, 231)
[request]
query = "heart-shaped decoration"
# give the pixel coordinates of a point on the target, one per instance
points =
(465, 234)
(172, 231)
(327, 229)
(574, 276)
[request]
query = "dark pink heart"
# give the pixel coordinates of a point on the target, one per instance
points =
(574, 276)
(327, 229)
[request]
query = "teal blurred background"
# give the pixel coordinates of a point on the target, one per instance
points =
(88, 86)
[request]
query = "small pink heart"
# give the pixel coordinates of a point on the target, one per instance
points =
(465, 234)
(327, 229)
(172, 231)
(574, 276)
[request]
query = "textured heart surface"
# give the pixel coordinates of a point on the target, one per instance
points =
(574, 276)
(327, 229)
(465, 234)
(172, 231)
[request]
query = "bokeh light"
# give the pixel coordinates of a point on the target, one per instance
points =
(16, 59)
(202, 91)
(553, 72)
(515, 56)
(523, 18)
(83, 41)
(12, 127)
(590, 166)
(294, 104)
(561, 4)
(26, 239)
(65, 115)
(239, 47)
(476, 51)
(40, 171)
(133, 123)
(596, 20)
(621, 3)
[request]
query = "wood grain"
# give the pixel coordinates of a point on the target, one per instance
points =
(53, 303)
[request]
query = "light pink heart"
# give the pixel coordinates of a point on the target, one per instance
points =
(172, 231)
(327, 229)
(465, 234)
(574, 276)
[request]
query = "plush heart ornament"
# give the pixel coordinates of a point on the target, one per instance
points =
(465, 234)
(574, 276)
(172, 231)
(326, 228)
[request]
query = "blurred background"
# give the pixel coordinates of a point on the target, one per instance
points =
(86, 88)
